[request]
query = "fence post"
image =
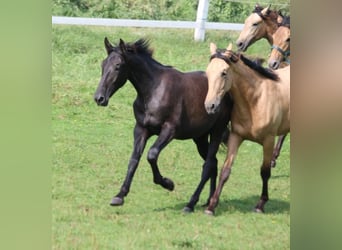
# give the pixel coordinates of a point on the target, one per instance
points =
(202, 14)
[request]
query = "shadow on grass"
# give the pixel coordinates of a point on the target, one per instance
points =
(243, 205)
(246, 205)
(280, 176)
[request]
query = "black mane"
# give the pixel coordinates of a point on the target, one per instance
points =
(255, 64)
(266, 72)
(285, 22)
(142, 47)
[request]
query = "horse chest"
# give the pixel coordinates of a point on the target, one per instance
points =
(155, 113)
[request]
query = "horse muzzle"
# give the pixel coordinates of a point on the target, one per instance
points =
(211, 107)
(101, 100)
(273, 64)
(242, 46)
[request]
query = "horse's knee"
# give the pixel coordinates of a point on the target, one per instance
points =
(152, 155)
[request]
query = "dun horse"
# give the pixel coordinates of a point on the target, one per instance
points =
(169, 104)
(261, 109)
(262, 23)
(280, 53)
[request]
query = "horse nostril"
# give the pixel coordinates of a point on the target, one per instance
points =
(99, 99)
(210, 108)
(274, 65)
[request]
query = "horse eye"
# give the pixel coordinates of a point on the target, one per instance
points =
(117, 66)
(255, 24)
(288, 40)
(223, 74)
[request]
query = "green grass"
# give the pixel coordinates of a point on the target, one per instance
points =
(92, 146)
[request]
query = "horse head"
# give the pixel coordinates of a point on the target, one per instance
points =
(262, 23)
(219, 81)
(114, 72)
(281, 45)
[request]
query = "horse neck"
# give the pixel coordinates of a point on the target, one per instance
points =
(245, 87)
(271, 28)
(142, 76)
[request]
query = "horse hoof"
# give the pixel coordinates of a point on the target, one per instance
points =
(258, 210)
(209, 212)
(168, 184)
(188, 210)
(117, 201)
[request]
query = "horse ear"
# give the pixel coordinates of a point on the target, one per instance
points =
(122, 46)
(257, 8)
(213, 48)
(228, 53)
(230, 46)
(108, 45)
(266, 10)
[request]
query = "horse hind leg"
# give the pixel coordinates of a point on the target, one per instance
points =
(265, 173)
(164, 138)
(276, 151)
(209, 170)
(202, 146)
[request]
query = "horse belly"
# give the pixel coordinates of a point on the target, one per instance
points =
(192, 131)
(284, 128)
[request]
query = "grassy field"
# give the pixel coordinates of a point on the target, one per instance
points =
(92, 146)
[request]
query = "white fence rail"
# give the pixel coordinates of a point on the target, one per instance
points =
(143, 23)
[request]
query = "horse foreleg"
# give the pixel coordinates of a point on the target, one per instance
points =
(165, 136)
(265, 172)
(234, 143)
(140, 137)
(276, 151)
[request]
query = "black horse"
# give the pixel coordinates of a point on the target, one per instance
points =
(169, 104)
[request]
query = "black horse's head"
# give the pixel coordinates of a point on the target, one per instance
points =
(114, 73)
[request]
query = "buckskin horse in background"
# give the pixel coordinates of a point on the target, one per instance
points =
(280, 58)
(169, 104)
(262, 23)
(261, 109)
(280, 53)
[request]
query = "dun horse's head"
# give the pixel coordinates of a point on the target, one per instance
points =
(114, 73)
(281, 47)
(254, 28)
(219, 80)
